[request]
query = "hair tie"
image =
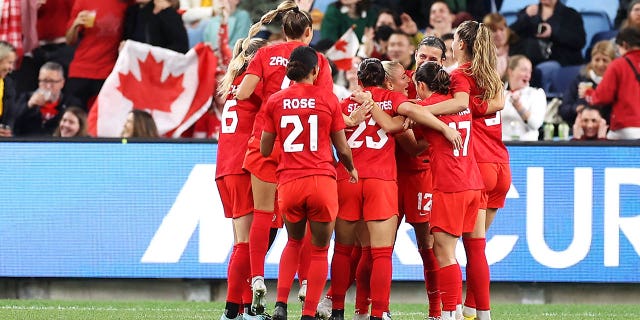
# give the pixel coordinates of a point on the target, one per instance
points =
(296, 9)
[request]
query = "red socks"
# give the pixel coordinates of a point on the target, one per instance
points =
(340, 280)
(287, 268)
(363, 279)
(431, 268)
(450, 280)
(317, 278)
(380, 283)
(259, 240)
(478, 278)
(305, 256)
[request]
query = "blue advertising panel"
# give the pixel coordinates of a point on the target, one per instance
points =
(151, 210)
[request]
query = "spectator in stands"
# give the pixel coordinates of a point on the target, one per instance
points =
(633, 16)
(440, 19)
(601, 55)
(401, 49)
(504, 38)
(590, 125)
(7, 89)
(140, 124)
(238, 22)
(50, 27)
(524, 106)
(41, 110)
(449, 63)
(620, 86)
(374, 41)
(73, 123)
(157, 23)
(96, 29)
(343, 14)
(552, 36)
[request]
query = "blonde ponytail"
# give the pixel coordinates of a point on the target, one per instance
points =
(267, 18)
(239, 62)
(482, 50)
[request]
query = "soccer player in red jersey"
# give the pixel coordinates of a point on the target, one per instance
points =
(457, 185)
(307, 122)
(476, 85)
(415, 189)
(477, 77)
(234, 184)
(374, 198)
(268, 68)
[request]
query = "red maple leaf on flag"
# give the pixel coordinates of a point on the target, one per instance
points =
(341, 45)
(150, 92)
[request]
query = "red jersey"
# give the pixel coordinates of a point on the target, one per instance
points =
(488, 127)
(303, 117)
(51, 19)
(373, 149)
(407, 162)
(270, 65)
(411, 89)
(97, 48)
(453, 170)
(237, 122)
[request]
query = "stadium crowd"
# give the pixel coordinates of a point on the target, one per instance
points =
(447, 81)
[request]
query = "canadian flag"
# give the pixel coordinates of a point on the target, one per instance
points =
(343, 51)
(175, 88)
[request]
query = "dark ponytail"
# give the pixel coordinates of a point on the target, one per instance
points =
(432, 74)
(302, 61)
(371, 73)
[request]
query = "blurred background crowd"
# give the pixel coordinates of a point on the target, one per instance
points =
(553, 56)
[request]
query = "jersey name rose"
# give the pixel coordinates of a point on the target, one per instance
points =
(298, 103)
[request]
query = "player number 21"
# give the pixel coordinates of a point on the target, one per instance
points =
(289, 145)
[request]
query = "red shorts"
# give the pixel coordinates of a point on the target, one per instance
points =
(369, 199)
(455, 212)
(262, 167)
(235, 193)
(312, 197)
(414, 195)
(497, 181)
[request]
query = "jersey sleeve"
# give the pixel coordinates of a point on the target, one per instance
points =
(255, 65)
(267, 115)
(324, 80)
(397, 99)
(337, 122)
(459, 82)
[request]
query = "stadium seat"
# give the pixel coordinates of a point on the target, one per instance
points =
(563, 78)
(594, 22)
(602, 35)
(515, 5)
(510, 16)
(610, 7)
(322, 4)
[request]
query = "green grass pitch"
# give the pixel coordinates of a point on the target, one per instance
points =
(102, 310)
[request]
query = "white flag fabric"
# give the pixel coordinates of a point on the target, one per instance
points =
(344, 50)
(177, 89)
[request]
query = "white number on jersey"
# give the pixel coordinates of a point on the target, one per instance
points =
(493, 121)
(466, 125)
(288, 144)
(286, 82)
(425, 201)
(370, 143)
(228, 115)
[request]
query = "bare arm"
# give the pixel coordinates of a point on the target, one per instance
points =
(74, 30)
(358, 115)
(247, 86)
(407, 140)
(344, 153)
(422, 116)
(459, 103)
(385, 121)
(266, 143)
